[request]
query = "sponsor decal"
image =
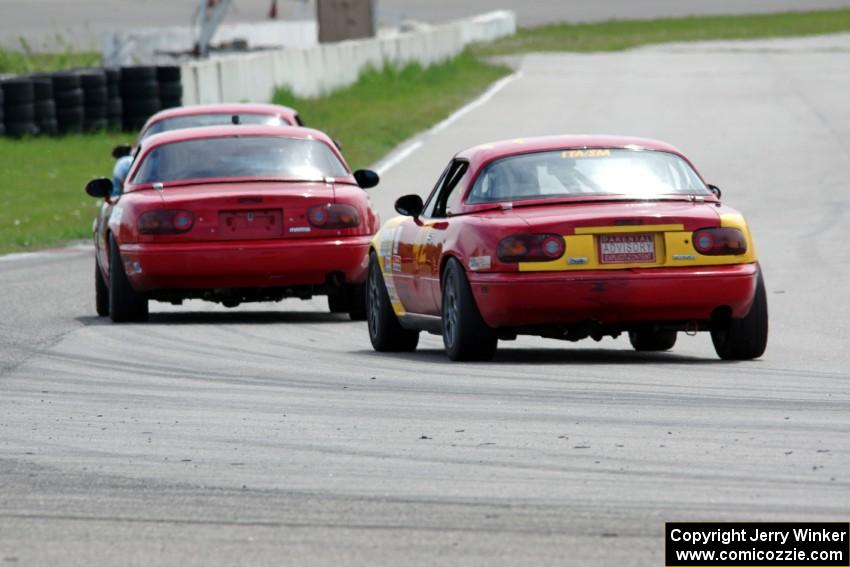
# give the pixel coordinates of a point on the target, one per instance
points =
(684, 257)
(574, 154)
(299, 229)
(396, 263)
(577, 261)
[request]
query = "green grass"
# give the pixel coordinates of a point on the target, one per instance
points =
(617, 35)
(386, 107)
(42, 180)
(23, 62)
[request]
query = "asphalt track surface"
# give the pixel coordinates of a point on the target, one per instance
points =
(274, 435)
(53, 24)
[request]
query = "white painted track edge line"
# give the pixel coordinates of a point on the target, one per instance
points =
(406, 149)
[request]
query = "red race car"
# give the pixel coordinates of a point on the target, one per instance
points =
(234, 214)
(567, 238)
(200, 115)
(219, 115)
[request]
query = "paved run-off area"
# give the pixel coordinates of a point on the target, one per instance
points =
(274, 434)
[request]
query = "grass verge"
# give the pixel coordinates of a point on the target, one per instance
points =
(386, 107)
(26, 62)
(42, 181)
(617, 35)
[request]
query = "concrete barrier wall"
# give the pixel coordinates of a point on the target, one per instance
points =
(319, 70)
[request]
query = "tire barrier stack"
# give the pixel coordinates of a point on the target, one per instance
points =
(140, 95)
(170, 86)
(87, 100)
(19, 107)
(44, 106)
(114, 106)
(95, 99)
(69, 99)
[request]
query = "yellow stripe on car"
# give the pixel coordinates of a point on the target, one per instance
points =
(673, 248)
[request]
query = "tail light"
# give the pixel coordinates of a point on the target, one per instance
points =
(166, 221)
(531, 248)
(719, 241)
(333, 216)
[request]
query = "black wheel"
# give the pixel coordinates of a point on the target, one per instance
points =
(356, 301)
(101, 292)
(92, 79)
(94, 112)
(744, 339)
(65, 81)
(124, 303)
(652, 341)
(385, 332)
(169, 91)
(18, 91)
(114, 107)
(135, 90)
(96, 97)
(21, 129)
(465, 334)
(337, 301)
(42, 88)
(168, 74)
(69, 99)
(95, 125)
(45, 110)
(141, 106)
(23, 112)
(138, 73)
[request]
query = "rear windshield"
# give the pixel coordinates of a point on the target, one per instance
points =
(586, 172)
(218, 119)
(237, 157)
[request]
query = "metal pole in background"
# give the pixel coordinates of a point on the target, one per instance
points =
(210, 16)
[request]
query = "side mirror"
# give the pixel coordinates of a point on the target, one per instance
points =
(99, 188)
(121, 150)
(409, 205)
(338, 144)
(716, 190)
(366, 178)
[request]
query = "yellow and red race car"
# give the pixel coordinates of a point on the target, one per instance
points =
(567, 238)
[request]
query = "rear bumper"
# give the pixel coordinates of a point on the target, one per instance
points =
(245, 264)
(659, 294)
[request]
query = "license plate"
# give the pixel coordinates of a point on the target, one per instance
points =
(266, 223)
(626, 248)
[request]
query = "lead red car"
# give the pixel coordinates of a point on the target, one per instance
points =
(233, 214)
(567, 238)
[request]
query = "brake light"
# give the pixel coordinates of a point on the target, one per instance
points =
(720, 241)
(531, 248)
(333, 216)
(166, 221)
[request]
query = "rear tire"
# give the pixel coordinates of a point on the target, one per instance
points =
(385, 331)
(101, 292)
(337, 301)
(652, 341)
(465, 334)
(744, 339)
(356, 301)
(125, 305)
